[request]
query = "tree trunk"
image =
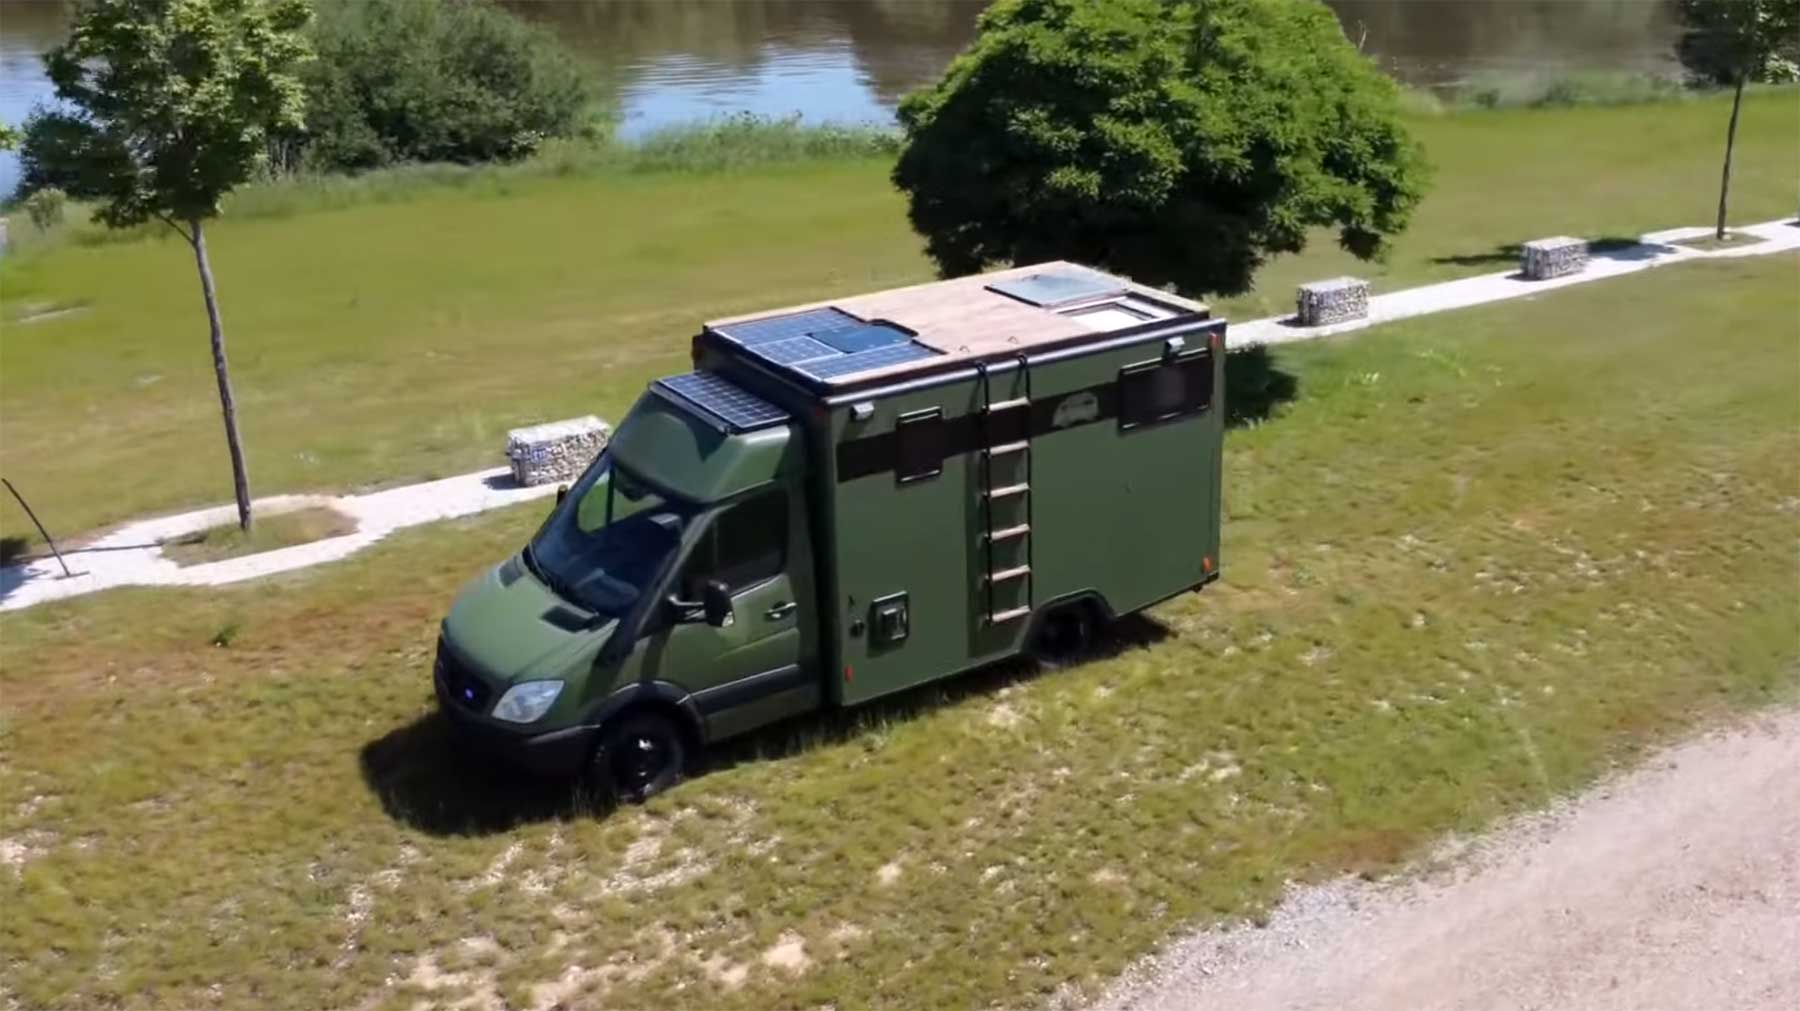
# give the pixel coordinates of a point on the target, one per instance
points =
(1737, 102)
(240, 476)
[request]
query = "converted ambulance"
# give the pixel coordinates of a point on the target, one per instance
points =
(846, 500)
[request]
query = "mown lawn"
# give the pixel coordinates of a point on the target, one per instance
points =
(1476, 559)
(397, 341)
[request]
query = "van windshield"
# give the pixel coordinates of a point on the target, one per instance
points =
(609, 540)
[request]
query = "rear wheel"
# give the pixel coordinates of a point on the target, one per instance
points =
(1064, 635)
(640, 755)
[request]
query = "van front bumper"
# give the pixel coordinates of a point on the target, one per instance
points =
(545, 753)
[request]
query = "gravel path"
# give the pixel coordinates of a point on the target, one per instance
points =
(1673, 887)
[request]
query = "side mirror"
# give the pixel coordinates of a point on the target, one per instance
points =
(715, 601)
(562, 492)
(713, 607)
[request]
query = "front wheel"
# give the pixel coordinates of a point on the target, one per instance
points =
(639, 756)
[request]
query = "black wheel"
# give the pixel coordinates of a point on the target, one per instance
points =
(1064, 635)
(639, 756)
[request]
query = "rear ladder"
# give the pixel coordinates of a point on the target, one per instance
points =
(1010, 500)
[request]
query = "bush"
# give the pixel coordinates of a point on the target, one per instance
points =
(1180, 143)
(436, 81)
(45, 208)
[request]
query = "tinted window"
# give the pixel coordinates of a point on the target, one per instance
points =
(744, 545)
(921, 440)
(1165, 390)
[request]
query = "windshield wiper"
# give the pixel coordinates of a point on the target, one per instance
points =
(556, 585)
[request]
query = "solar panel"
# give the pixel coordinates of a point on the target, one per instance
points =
(843, 365)
(794, 349)
(865, 337)
(736, 407)
(799, 324)
(1057, 287)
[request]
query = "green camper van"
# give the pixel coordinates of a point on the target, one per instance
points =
(843, 501)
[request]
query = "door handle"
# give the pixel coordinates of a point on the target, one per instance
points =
(780, 611)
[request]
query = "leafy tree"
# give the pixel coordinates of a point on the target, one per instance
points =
(170, 105)
(435, 80)
(10, 137)
(1732, 42)
(1178, 141)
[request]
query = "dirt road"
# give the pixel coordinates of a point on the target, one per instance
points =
(1673, 887)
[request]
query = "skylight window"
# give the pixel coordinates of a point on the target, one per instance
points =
(1118, 313)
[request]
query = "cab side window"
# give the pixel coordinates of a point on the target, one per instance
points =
(743, 546)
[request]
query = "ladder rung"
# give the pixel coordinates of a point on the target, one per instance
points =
(1011, 489)
(1010, 532)
(1011, 615)
(1007, 405)
(1012, 573)
(1009, 447)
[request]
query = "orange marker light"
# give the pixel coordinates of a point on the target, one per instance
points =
(849, 673)
(1206, 563)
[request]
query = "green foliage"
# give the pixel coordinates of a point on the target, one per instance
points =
(1180, 143)
(171, 103)
(9, 137)
(436, 81)
(745, 140)
(45, 208)
(1726, 41)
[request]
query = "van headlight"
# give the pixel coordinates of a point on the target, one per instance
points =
(527, 701)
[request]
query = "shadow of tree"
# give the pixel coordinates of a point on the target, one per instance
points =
(425, 780)
(14, 549)
(1508, 253)
(1255, 386)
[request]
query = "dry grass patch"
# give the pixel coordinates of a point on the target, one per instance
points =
(278, 530)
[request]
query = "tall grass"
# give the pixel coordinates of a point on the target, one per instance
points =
(726, 144)
(1539, 90)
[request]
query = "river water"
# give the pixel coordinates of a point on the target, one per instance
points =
(672, 61)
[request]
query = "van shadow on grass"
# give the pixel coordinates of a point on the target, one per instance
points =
(426, 781)
(1255, 386)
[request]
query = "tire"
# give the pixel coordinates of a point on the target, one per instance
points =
(640, 755)
(1064, 635)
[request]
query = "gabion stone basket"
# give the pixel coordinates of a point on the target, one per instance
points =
(556, 450)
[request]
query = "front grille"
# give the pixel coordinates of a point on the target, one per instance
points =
(460, 684)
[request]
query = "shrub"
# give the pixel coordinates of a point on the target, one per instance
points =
(1181, 143)
(45, 208)
(436, 80)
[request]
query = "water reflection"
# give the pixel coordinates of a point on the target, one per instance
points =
(670, 61)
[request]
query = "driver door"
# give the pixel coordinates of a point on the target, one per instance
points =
(757, 651)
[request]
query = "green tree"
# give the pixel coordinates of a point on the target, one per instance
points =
(170, 106)
(1733, 42)
(1178, 141)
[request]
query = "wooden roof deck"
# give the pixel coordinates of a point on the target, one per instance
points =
(962, 319)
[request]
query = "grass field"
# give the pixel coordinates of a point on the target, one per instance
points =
(275, 530)
(1478, 557)
(396, 339)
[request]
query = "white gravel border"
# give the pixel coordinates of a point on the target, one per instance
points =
(129, 556)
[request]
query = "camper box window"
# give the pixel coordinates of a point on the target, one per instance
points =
(920, 441)
(1160, 391)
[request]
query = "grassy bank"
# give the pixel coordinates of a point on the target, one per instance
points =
(397, 336)
(1479, 557)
